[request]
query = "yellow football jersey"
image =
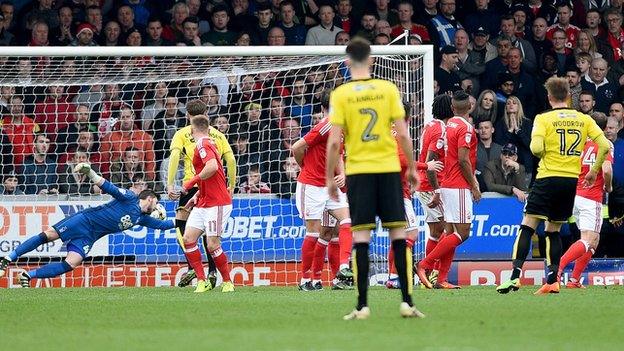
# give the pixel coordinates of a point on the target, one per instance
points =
(366, 110)
(565, 132)
(183, 140)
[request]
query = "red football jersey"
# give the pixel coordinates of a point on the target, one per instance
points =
(432, 139)
(459, 133)
(572, 33)
(588, 158)
(213, 190)
(313, 169)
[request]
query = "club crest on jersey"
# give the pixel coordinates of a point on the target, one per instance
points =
(468, 137)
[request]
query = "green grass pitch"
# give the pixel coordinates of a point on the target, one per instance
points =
(474, 318)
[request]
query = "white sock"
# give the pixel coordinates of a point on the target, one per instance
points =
(342, 266)
(304, 280)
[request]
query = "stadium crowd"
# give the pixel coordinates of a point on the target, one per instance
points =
(499, 51)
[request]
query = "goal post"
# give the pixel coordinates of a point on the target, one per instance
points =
(118, 107)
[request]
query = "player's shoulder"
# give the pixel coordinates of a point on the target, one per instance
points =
(216, 135)
(183, 133)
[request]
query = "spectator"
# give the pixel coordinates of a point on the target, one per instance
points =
(69, 135)
(6, 154)
(243, 39)
(367, 26)
(523, 81)
(539, 8)
(444, 25)
(596, 82)
(174, 32)
(574, 79)
(9, 185)
(446, 73)
(593, 22)
(277, 111)
(196, 9)
(42, 12)
(134, 38)
(127, 167)
(190, 30)
(538, 40)
(263, 25)
(342, 38)
(85, 141)
(382, 39)
(222, 124)
(406, 12)
(94, 18)
(62, 35)
(615, 35)
(19, 129)
(616, 110)
(276, 37)
(564, 14)
(496, 65)
(76, 184)
(84, 36)
(55, 112)
(482, 18)
(288, 178)
(295, 32)
(505, 88)
(383, 26)
(279, 149)
(220, 34)
(210, 96)
(487, 108)
(481, 45)
(244, 158)
(166, 123)
(114, 144)
(384, 13)
(583, 63)
(39, 35)
(344, 18)
(300, 105)
(515, 128)
(325, 32)
(520, 16)
(155, 34)
(126, 19)
(586, 43)
(586, 102)
(253, 184)
(506, 176)
(565, 58)
(487, 149)
(39, 169)
(470, 66)
(156, 105)
(255, 127)
(237, 101)
(140, 10)
(7, 10)
(6, 38)
(242, 16)
(612, 129)
(102, 112)
(112, 31)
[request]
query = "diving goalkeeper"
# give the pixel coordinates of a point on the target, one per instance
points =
(84, 228)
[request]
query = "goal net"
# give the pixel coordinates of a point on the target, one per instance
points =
(118, 108)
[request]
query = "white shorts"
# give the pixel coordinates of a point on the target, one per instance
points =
(211, 220)
(457, 205)
(328, 220)
(312, 200)
(410, 215)
(432, 215)
(588, 214)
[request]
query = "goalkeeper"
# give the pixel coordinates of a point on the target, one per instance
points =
(183, 145)
(84, 228)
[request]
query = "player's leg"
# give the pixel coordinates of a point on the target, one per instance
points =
(32, 243)
(411, 232)
(340, 211)
(77, 250)
(319, 252)
(217, 217)
(310, 201)
(195, 226)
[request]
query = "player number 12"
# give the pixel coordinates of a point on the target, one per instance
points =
(569, 151)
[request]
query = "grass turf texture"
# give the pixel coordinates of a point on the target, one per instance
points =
(475, 318)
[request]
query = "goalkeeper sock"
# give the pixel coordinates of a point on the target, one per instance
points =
(360, 268)
(307, 255)
(345, 238)
(521, 250)
(403, 264)
(553, 243)
(212, 267)
(319, 258)
(28, 246)
(333, 256)
(221, 261)
(194, 259)
(180, 225)
(580, 264)
(51, 270)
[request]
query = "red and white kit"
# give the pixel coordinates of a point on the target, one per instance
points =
(455, 189)
(312, 197)
(410, 214)
(214, 203)
(432, 139)
(588, 201)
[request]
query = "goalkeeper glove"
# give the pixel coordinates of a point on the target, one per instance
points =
(85, 168)
(159, 212)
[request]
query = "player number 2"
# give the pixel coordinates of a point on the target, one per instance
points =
(366, 135)
(563, 147)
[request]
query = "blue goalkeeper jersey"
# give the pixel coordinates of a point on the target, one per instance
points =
(118, 215)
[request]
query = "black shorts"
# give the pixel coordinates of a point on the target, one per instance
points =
(375, 194)
(184, 198)
(552, 199)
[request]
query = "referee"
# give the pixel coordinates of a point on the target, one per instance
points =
(363, 110)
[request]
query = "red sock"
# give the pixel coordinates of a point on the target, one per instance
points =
(445, 265)
(345, 238)
(430, 245)
(576, 250)
(194, 258)
(333, 256)
(319, 258)
(391, 267)
(307, 254)
(410, 243)
(581, 264)
(448, 243)
(221, 261)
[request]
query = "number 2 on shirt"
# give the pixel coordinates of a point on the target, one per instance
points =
(366, 135)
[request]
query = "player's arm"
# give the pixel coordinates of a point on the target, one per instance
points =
(210, 168)
(174, 160)
(463, 156)
(604, 145)
(106, 186)
(432, 176)
(607, 174)
(333, 155)
(230, 164)
(538, 136)
(405, 142)
(151, 222)
(298, 150)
